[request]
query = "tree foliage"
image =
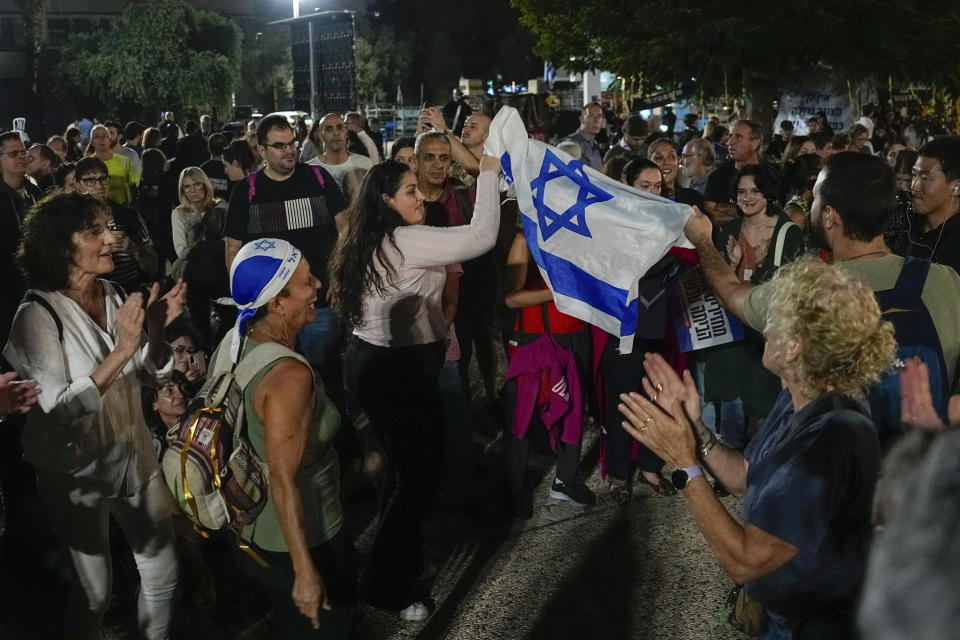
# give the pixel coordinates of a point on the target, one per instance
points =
(758, 46)
(156, 55)
(384, 57)
(435, 43)
(267, 62)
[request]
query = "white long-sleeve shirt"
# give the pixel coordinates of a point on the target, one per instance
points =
(72, 428)
(410, 311)
(184, 222)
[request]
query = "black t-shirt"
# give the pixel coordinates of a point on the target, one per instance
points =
(218, 177)
(299, 210)
(126, 270)
(686, 196)
(720, 187)
(776, 147)
(940, 245)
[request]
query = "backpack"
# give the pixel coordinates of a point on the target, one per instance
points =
(252, 181)
(916, 337)
(213, 472)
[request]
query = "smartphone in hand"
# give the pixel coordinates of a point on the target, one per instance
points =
(198, 362)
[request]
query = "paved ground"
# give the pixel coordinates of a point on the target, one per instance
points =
(609, 572)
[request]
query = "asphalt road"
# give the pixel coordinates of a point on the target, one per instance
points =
(607, 572)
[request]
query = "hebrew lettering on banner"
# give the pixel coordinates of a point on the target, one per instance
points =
(702, 322)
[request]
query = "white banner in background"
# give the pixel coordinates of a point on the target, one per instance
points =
(798, 107)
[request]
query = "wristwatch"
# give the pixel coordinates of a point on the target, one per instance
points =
(681, 477)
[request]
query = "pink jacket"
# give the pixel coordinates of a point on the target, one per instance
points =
(547, 382)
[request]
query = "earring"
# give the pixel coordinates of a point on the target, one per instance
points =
(284, 334)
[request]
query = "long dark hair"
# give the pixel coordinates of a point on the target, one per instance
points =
(370, 223)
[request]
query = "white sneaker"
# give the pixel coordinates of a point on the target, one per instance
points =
(415, 612)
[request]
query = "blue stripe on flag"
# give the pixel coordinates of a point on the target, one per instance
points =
(570, 280)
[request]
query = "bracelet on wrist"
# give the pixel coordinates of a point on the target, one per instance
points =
(706, 447)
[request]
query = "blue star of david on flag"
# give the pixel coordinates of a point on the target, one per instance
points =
(574, 218)
(507, 168)
(265, 245)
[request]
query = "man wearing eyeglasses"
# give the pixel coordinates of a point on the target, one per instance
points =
(135, 260)
(123, 177)
(17, 195)
(697, 161)
(298, 203)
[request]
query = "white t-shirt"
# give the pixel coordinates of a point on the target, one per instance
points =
(348, 174)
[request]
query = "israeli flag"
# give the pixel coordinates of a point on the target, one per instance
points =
(549, 73)
(592, 237)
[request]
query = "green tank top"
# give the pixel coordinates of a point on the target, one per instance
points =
(318, 477)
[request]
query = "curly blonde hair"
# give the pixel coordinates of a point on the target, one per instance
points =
(846, 343)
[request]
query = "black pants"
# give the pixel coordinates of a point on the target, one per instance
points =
(516, 450)
(474, 323)
(335, 560)
(398, 390)
(622, 374)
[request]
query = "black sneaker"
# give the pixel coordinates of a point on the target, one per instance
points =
(575, 492)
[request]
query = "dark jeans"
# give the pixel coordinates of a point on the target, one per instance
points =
(622, 374)
(515, 450)
(397, 388)
(336, 563)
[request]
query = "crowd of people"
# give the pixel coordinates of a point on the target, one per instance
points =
(140, 263)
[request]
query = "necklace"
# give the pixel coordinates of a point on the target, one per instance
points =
(864, 255)
(269, 335)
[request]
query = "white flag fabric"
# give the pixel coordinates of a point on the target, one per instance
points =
(592, 237)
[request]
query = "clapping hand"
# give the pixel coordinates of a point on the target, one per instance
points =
(129, 327)
(668, 435)
(734, 252)
(161, 312)
(916, 407)
(667, 388)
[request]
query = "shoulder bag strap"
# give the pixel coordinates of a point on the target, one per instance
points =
(33, 296)
(251, 186)
(781, 238)
(318, 172)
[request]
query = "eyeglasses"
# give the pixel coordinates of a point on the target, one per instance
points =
(90, 181)
(282, 146)
(18, 153)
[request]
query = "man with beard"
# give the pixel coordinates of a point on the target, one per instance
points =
(853, 197)
(301, 204)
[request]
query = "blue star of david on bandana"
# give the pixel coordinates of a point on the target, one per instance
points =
(265, 245)
(574, 218)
